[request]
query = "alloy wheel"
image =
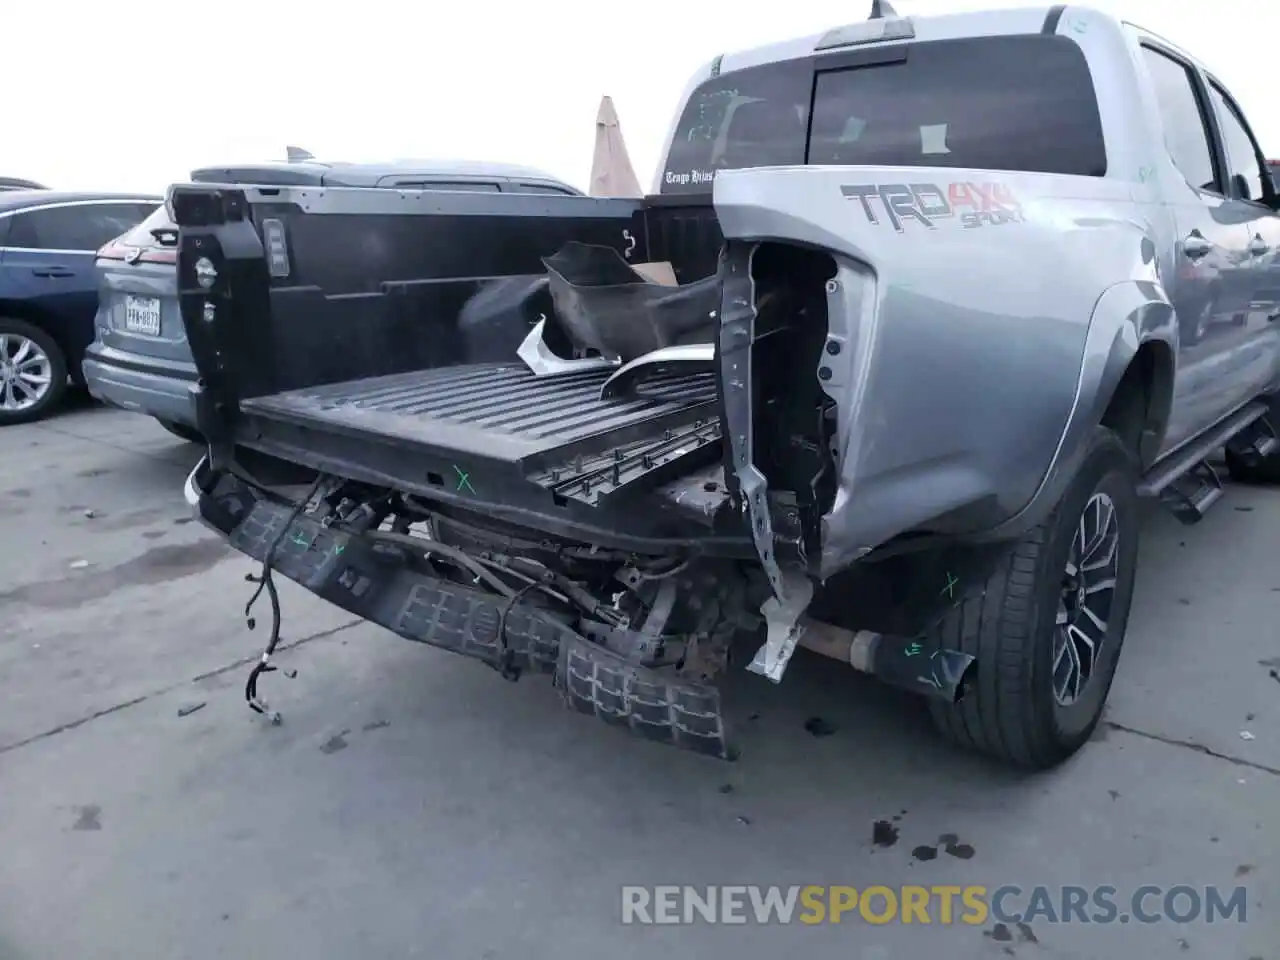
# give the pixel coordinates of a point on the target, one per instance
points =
(1084, 602)
(26, 373)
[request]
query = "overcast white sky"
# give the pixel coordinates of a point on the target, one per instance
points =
(132, 94)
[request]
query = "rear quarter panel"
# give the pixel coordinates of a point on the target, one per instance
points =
(965, 330)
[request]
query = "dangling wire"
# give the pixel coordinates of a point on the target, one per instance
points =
(266, 583)
(506, 665)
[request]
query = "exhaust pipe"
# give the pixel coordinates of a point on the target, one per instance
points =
(909, 665)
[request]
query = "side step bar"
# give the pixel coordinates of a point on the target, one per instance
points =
(1187, 483)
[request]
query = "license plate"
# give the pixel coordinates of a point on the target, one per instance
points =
(142, 315)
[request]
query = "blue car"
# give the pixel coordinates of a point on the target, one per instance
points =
(49, 289)
(140, 359)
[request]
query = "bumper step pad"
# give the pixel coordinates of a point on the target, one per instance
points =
(374, 580)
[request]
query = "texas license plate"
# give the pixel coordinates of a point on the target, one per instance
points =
(142, 315)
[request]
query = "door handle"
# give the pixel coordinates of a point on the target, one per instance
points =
(53, 272)
(1258, 246)
(1195, 245)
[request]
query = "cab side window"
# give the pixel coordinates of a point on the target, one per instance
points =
(1244, 161)
(1186, 135)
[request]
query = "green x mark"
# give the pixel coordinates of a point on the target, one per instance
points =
(952, 583)
(464, 479)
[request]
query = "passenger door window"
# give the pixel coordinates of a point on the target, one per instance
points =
(75, 227)
(1244, 159)
(1186, 135)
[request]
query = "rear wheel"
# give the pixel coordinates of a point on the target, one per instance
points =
(33, 373)
(1048, 628)
(1254, 469)
(189, 434)
(1262, 470)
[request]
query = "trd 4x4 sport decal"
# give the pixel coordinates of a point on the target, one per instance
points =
(976, 204)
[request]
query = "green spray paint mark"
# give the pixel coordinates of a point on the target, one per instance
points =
(464, 479)
(913, 649)
(1146, 174)
(950, 588)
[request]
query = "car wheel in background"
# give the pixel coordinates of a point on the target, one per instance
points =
(189, 434)
(33, 373)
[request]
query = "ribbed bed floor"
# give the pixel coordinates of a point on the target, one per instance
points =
(498, 411)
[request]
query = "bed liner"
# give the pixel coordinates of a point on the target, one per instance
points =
(500, 419)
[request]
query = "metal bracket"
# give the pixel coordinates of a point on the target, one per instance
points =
(782, 626)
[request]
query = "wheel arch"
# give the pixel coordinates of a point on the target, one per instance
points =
(1141, 400)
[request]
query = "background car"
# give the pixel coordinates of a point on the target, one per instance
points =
(17, 183)
(49, 291)
(140, 360)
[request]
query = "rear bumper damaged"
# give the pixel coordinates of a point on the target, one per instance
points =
(374, 580)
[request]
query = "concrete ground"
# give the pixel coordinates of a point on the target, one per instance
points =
(415, 804)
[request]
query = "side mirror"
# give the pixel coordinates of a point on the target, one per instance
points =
(1240, 186)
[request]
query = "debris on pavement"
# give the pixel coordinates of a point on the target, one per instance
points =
(819, 727)
(884, 833)
(189, 708)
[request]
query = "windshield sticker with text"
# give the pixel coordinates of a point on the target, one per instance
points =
(691, 177)
(975, 204)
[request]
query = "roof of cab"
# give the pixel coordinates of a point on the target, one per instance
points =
(979, 23)
(19, 199)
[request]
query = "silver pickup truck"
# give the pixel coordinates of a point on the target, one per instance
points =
(943, 299)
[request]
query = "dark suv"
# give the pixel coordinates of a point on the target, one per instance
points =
(49, 291)
(140, 359)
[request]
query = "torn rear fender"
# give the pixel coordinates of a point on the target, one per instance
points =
(957, 322)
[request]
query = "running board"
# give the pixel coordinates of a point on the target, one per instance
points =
(1187, 483)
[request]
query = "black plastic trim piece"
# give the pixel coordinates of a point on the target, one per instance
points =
(846, 59)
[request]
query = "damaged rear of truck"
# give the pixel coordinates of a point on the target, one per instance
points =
(860, 412)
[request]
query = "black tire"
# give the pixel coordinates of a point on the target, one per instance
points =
(182, 431)
(1264, 470)
(57, 388)
(1011, 711)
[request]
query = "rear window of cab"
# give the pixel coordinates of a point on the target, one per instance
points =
(1021, 102)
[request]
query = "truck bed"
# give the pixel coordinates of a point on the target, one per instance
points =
(497, 424)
